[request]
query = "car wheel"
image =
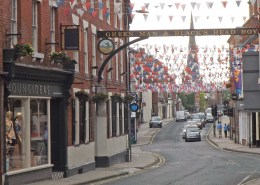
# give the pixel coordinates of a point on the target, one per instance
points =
(160, 126)
(150, 126)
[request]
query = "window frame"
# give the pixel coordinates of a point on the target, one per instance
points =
(13, 21)
(35, 25)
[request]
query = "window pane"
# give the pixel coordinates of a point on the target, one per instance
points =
(28, 146)
(39, 132)
(16, 136)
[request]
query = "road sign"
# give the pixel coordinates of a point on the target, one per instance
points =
(134, 107)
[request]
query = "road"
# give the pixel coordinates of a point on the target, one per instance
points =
(193, 163)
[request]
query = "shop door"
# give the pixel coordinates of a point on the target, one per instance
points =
(58, 136)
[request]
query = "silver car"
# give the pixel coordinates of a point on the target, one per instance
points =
(156, 121)
(188, 125)
(192, 133)
(209, 118)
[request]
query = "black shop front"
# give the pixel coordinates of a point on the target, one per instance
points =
(36, 95)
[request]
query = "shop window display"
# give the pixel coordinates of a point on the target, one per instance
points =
(29, 145)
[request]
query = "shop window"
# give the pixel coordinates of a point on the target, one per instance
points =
(82, 124)
(114, 116)
(29, 145)
(82, 121)
(125, 118)
(73, 121)
(120, 119)
(108, 119)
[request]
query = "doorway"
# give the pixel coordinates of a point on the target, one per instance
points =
(58, 134)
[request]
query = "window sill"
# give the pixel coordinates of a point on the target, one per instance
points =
(53, 4)
(38, 55)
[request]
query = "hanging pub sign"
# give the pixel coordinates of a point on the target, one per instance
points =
(71, 38)
(106, 46)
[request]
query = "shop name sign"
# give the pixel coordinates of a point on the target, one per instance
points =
(187, 32)
(29, 89)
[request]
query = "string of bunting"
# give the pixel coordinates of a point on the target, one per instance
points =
(83, 6)
(190, 72)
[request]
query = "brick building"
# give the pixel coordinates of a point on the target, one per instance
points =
(63, 132)
(244, 122)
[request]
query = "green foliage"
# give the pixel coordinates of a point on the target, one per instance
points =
(203, 102)
(188, 100)
(99, 97)
(60, 54)
(82, 95)
(24, 48)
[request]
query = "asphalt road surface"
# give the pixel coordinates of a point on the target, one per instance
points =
(193, 163)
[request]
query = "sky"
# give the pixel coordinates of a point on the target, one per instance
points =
(175, 14)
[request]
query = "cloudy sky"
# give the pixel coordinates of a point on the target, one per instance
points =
(175, 14)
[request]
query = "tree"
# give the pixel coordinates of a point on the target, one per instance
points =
(188, 100)
(203, 102)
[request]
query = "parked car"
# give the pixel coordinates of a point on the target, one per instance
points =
(209, 118)
(156, 121)
(188, 125)
(192, 133)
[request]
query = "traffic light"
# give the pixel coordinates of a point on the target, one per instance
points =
(230, 112)
(214, 110)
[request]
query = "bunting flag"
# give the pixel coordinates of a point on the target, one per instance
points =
(224, 3)
(83, 6)
(193, 5)
(201, 69)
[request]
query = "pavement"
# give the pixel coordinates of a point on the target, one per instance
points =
(141, 160)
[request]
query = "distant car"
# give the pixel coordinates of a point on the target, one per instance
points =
(181, 115)
(202, 116)
(156, 121)
(192, 133)
(188, 125)
(209, 118)
(195, 117)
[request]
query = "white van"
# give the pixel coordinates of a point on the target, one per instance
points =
(181, 115)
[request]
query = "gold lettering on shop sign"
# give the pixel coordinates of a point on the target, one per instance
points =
(193, 32)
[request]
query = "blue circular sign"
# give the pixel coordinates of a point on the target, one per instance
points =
(134, 107)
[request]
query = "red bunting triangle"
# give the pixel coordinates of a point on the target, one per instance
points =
(224, 3)
(88, 5)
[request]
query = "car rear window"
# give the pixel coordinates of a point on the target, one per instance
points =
(192, 129)
(156, 118)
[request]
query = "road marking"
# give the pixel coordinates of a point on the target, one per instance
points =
(205, 157)
(244, 180)
(160, 161)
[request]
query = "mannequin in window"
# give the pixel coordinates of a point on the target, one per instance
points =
(10, 136)
(18, 130)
